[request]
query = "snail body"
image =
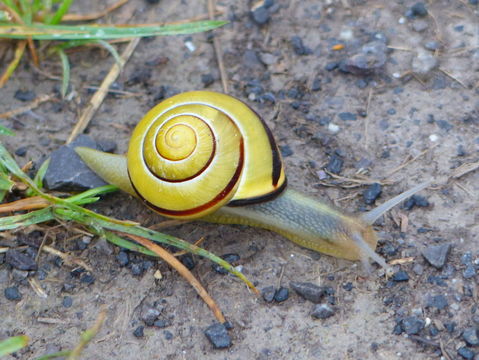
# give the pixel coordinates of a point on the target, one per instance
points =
(209, 156)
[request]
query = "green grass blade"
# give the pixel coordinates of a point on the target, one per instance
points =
(66, 71)
(108, 47)
(75, 199)
(60, 354)
(26, 11)
(13, 344)
(89, 32)
(31, 218)
(62, 10)
(6, 131)
(10, 164)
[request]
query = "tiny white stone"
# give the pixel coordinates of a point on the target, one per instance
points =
(433, 137)
(346, 34)
(396, 75)
(333, 127)
(428, 322)
(402, 20)
(190, 46)
(239, 268)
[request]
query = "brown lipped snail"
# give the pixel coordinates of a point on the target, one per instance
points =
(209, 156)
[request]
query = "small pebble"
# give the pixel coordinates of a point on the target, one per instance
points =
(347, 116)
(322, 311)
(207, 79)
(161, 323)
(444, 124)
(20, 261)
(316, 85)
(298, 47)
(419, 9)
(229, 258)
(285, 150)
(401, 275)
(415, 200)
(335, 164)
(331, 66)
(412, 325)
(424, 63)
(21, 151)
(469, 272)
(136, 269)
(437, 301)
(67, 302)
(260, 15)
(26, 95)
(149, 315)
(188, 261)
(436, 255)
(471, 336)
(432, 45)
(123, 258)
(466, 353)
(372, 193)
(309, 291)
(87, 279)
(282, 294)
(268, 293)
(139, 332)
(12, 293)
(218, 336)
(168, 335)
(348, 286)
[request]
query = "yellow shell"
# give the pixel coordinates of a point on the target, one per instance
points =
(197, 151)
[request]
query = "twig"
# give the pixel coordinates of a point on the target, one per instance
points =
(406, 163)
(401, 261)
(366, 122)
(87, 336)
(464, 169)
(183, 252)
(67, 258)
(175, 263)
(100, 95)
(37, 288)
(28, 107)
(217, 48)
(448, 74)
(444, 351)
(94, 16)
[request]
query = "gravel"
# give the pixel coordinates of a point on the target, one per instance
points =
(218, 336)
(11, 293)
(471, 336)
(310, 291)
(436, 255)
(322, 311)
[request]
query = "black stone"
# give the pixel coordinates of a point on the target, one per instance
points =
(21, 151)
(161, 323)
(436, 255)
(26, 95)
(139, 332)
(412, 325)
(298, 47)
(67, 287)
(268, 293)
(444, 124)
(207, 79)
(285, 150)
(229, 258)
(372, 193)
(471, 336)
(260, 15)
(401, 275)
(68, 172)
(469, 272)
(347, 116)
(335, 164)
(316, 85)
(309, 291)
(282, 294)
(87, 279)
(415, 200)
(149, 315)
(188, 261)
(322, 311)
(137, 269)
(20, 261)
(348, 286)
(168, 335)
(67, 302)
(397, 330)
(12, 293)
(123, 258)
(419, 9)
(437, 301)
(466, 353)
(218, 336)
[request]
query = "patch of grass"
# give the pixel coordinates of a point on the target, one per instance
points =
(24, 21)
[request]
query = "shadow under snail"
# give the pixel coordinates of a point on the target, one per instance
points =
(207, 155)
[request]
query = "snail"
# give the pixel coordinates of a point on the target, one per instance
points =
(209, 156)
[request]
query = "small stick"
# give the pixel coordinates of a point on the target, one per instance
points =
(100, 95)
(37, 288)
(217, 48)
(178, 266)
(401, 261)
(67, 258)
(197, 243)
(366, 122)
(448, 74)
(464, 169)
(403, 165)
(28, 107)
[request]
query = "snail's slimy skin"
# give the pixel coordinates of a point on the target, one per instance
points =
(227, 169)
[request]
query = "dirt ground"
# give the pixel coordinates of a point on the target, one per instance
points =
(431, 119)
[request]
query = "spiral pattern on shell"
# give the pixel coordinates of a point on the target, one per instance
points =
(198, 151)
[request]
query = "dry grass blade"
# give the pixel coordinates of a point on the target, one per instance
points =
(401, 261)
(14, 63)
(31, 203)
(100, 95)
(68, 259)
(217, 47)
(464, 169)
(178, 266)
(28, 107)
(410, 160)
(94, 16)
(183, 252)
(87, 336)
(37, 288)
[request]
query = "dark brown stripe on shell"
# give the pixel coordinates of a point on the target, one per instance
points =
(259, 199)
